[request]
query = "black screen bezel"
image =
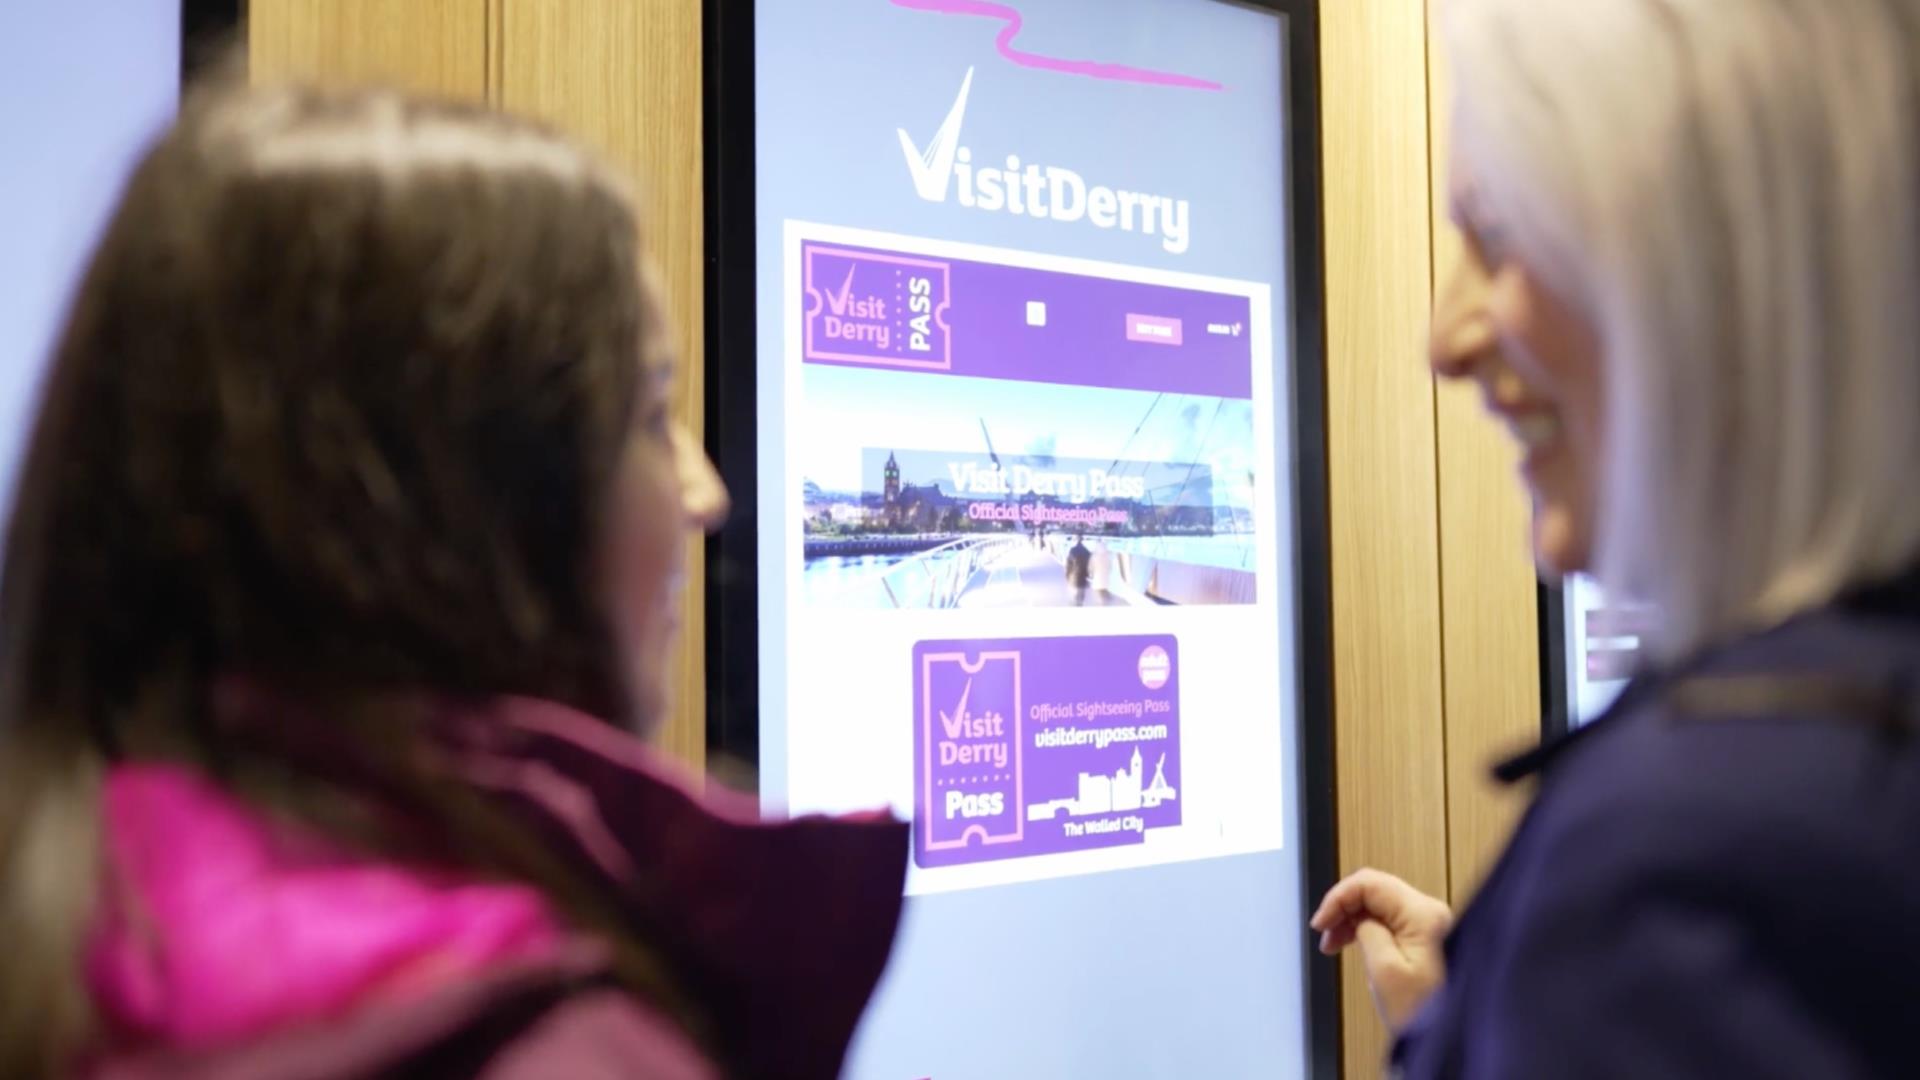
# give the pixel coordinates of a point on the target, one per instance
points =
(732, 594)
(208, 32)
(1556, 708)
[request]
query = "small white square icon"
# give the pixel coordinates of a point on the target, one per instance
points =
(1036, 313)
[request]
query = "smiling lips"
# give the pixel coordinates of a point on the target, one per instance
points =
(1533, 424)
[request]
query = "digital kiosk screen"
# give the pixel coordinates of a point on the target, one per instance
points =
(1028, 516)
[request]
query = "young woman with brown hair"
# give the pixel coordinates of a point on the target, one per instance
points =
(347, 539)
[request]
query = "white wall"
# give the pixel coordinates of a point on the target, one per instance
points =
(84, 84)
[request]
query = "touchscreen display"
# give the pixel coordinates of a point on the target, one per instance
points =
(1602, 642)
(1027, 518)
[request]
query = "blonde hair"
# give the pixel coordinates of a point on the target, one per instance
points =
(1729, 189)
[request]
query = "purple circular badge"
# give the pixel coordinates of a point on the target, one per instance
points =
(1154, 667)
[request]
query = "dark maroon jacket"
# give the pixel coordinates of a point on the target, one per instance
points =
(779, 931)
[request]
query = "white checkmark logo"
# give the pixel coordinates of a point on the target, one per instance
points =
(932, 168)
(837, 302)
(953, 723)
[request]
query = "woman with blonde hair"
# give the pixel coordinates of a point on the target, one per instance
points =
(1693, 234)
(344, 566)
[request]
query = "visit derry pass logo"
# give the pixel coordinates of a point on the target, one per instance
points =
(878, 308)
(1034, 746)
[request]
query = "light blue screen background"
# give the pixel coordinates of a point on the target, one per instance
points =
(84, 84)
(1187, 970)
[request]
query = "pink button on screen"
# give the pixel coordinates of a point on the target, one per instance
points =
(1153, 329)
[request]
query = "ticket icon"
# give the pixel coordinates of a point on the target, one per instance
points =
(876, 308)
(969, 749)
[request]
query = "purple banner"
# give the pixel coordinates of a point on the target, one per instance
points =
(869, 308)
(1033, 746)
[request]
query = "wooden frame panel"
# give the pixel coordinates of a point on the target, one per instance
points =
(435, 46)
(1386, 600)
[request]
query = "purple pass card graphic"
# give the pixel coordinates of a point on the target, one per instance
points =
(869, 307)
(1033, 746)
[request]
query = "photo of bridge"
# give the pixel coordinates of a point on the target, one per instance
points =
(972, 526)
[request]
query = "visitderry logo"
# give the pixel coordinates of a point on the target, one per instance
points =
(1042, 191)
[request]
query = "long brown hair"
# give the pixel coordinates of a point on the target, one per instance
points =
(337, 408)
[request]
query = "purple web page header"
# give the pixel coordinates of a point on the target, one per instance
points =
(864, 307)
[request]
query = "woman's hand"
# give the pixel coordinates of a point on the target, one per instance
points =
(1400, 931)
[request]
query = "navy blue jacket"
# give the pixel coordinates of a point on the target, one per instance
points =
(1718, 878)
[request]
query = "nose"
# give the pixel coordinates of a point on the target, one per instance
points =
(1462, 332)
(703, 494)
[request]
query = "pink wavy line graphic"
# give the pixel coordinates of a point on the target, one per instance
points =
(1092, 69)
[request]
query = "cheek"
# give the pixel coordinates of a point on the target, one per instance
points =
(1553, 352)
(1553, 349)
(642, 545)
